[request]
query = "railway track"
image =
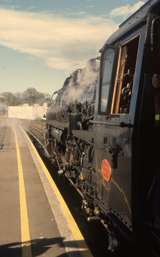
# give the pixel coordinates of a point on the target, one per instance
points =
(36, 129)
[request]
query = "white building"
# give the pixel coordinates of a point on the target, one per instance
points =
(26, 111)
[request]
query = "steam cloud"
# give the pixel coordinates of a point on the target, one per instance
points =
(80, 86)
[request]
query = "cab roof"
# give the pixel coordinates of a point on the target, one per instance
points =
(134, 20)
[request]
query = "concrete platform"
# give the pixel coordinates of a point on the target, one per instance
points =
(34, 219)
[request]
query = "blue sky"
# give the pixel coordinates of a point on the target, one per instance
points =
(43, 41)
(63, 6)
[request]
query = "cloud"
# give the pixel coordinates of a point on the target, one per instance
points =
(126, 10)
(63, 43)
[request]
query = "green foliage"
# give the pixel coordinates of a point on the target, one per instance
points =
(29, 96)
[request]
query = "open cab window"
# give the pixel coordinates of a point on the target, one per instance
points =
(106, 76)
(124, 78)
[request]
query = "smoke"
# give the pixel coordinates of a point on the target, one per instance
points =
(73, 95)
(81, 85)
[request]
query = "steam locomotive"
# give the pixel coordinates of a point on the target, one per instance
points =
(108, 149)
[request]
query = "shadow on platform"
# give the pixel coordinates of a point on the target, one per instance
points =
(40, 246)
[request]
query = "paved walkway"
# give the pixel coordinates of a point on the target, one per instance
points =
(34, 219)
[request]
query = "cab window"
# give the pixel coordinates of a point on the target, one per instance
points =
(107, 67)
(125, 77)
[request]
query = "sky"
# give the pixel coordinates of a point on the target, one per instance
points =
(44, 41)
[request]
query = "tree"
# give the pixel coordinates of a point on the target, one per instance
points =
(10, 99)
(32, 96)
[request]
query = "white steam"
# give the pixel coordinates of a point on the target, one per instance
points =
(81, 85)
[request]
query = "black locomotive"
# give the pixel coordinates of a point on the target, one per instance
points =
(110, 149)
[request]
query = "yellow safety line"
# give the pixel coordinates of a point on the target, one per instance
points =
(77, 235)
(25, 233)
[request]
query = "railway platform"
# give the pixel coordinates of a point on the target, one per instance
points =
(34, 218)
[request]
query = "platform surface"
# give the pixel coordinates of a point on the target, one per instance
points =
(34, 220)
